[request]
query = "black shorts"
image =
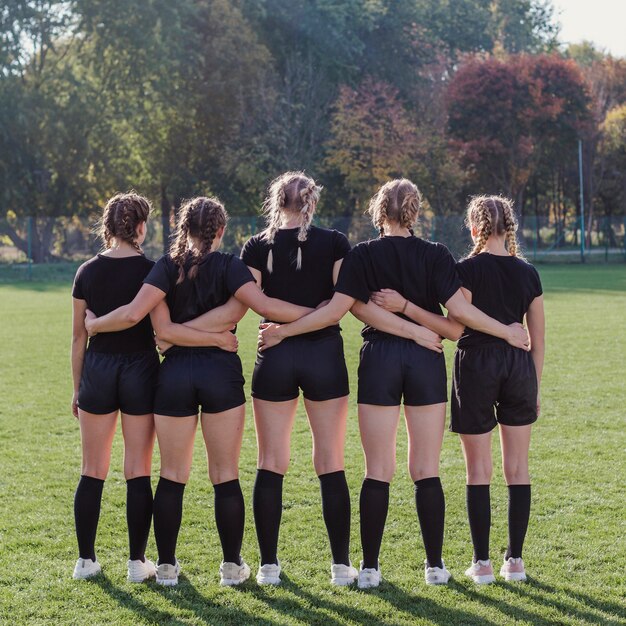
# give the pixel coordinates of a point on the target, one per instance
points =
(315, 364)
(393, 368)
(208, 378)
(494, 376)
(124, 382)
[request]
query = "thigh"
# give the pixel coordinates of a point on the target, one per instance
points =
(380, 373)
(515, 442)
(327, 420)
(96, 434)
(274, 376)
(425, 426)
(273, 422)
(321, 368)
(223, 433)
(477, 454)
(176, 436)
(139, 433)
(378, 426)
(137, 383)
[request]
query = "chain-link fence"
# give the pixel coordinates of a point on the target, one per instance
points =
(43, 240)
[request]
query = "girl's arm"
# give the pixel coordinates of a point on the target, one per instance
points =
(219, 319)
(79, 345)
(251, 295)
(182, 335)
(462, 310)
(128, 315)
(391, 300)
(535, 318)
(377, 317)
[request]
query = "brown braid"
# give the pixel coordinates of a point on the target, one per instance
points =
(121, 217)
(492, 215)
(291, 191)
(396, 201)
(199, 219)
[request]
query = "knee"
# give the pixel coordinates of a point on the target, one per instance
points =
(95, 470)
(381, 470)
(177, 475)
(219, 475)
(327, 462)
(272, 462)
(135, 471)
(479, 473)
(423, 471)
(516, 473)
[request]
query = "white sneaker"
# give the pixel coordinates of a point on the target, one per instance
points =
(138, 570)
(481, 572)
(369, 577)
(513, 569)
(436, 575)
(269, 574)
(233, 573)
(86, 568)
(167, 574)
(342, 575)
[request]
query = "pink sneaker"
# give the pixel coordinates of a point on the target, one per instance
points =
(481, 572)
(513, 569)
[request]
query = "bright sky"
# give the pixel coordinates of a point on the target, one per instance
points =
(600, 21)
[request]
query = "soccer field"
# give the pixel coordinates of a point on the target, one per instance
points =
(575, 551)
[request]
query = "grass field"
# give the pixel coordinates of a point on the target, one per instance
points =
(575, 551)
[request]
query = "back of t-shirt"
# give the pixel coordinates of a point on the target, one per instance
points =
(423, 272)
(107, 283)
(503, 287)
(219, 276)
(313, 282)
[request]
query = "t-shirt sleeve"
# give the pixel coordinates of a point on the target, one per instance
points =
(163, 275)
(445, 277)
(536, 288)
(341, 245)
(237, 275)
(466, 276)
(352, 280)
(251, 254)
(77, 289)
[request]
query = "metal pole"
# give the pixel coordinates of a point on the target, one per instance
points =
(582, 201)
(30, 248)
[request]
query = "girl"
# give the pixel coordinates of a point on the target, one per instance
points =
(114, 373)
(488, 373)
(392, 368)
(194, 278)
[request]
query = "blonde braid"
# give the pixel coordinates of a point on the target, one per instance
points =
(410, 208)
(309, 195)
(272, 208)
(479, 215)
(378, 207)
(510, 228)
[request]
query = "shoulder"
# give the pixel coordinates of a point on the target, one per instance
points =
(86, 267)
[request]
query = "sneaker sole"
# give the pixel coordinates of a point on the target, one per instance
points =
(443, 581)
(483, 580)
(342, 582)
(233, 582)
(514, 577)
(137, 579)
(76, 576)
(167, 582)
(268, 581)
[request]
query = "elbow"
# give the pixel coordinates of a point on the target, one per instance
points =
(455, 335)
(132, 318)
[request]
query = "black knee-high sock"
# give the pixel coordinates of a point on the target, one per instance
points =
(230, 517)
(168, 514)
(86, 514)
(138, 515)
(373, 504)
(519, 512)
(479, 515)
(336, 511)
(431, 511)
(267, 503)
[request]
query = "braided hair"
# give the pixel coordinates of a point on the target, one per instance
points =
(399, 201)
(492, 215)
(199, 218)
(293, 192)
(123, 213)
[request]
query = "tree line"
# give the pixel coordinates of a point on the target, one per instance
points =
(182, 97)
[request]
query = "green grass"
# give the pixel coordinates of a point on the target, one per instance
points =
(575, 549)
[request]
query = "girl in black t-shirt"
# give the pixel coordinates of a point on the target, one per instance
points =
(299, 263)
(114, 373)
(200, 370)
(399, 360)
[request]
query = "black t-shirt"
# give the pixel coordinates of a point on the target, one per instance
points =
(503, 287)
(313, 282)
(219, 276)
(107, 283)
(423, 272)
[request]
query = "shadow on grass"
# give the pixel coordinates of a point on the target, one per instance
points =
(540, 600)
